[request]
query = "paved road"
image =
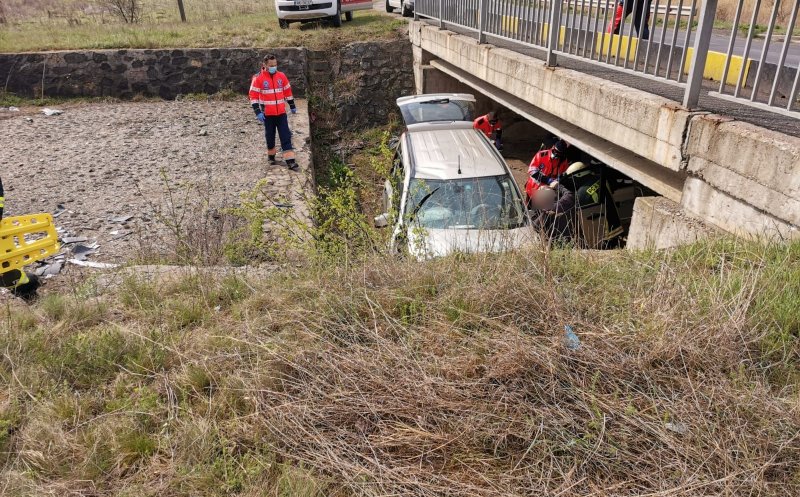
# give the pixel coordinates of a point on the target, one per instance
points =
(719, 41)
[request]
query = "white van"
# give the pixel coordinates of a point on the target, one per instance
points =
(290, 11)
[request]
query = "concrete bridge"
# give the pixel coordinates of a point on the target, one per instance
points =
(714, 172)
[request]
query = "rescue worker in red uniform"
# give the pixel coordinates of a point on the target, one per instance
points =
(641, 16)
(490, 126)
(22, 284)
(270, 91)
(546, 167)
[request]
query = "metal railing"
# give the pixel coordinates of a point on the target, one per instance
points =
(673, 41)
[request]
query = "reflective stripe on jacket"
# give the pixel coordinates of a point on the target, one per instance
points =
(271, 92)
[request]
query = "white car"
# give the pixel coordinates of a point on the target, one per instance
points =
(434, 107)
(451, 191)
(406, 7)
(290, 11)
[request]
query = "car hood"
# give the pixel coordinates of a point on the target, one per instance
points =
(429, 243)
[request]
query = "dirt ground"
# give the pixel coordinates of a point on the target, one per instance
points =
(104, 163)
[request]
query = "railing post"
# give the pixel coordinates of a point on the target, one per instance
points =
(441, 21)
(481, 21)
(701, 43)
(553, 31)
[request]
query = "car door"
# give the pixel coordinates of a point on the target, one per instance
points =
(393, 186)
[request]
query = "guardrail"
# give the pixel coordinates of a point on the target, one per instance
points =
(673, 41)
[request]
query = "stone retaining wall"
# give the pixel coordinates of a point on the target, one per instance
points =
(159, 73)
(362, 78)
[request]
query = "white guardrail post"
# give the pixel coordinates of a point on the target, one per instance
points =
(553, 31)
(701, 43)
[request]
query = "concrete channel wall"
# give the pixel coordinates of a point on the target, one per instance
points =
(735, 176)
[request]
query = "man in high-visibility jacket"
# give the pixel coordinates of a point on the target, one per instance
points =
(21, 283)
(546, 167)
(270, 91)
(641, 17)
(490, 126)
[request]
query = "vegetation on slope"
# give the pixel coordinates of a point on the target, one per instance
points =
(396, 377)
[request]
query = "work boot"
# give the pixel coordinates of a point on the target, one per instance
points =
(293, 166)
(272, 160)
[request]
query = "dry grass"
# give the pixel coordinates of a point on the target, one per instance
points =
(78, 25)
(397, 378)
(726, 11)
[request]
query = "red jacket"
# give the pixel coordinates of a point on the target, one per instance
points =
(543, 170)
(482, 123)
(272, 92)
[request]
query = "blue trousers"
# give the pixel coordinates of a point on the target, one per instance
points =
(281, 123)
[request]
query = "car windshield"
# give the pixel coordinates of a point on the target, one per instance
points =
(471, 203)
(439, 109)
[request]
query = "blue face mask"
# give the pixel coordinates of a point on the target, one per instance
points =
(272, 70)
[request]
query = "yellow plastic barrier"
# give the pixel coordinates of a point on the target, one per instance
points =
(715, 65)
(510, 23)
(611, 43)
(26, 239)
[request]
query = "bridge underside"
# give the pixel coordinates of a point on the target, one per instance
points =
(664, 181)
(711, 171)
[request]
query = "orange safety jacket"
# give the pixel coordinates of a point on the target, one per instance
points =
(543, 170)
(482, 123)
(271, 92)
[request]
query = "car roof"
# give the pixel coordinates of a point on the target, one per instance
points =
(435, 96)
(437, 149)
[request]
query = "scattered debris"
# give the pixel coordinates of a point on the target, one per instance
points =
(52, 112)
(678, 428)
(203, 132)
(29, 119)
(121, 219)
(571, 340)
(60, 209)
(91, 264)
(117, 234)
(73, 239)
(50, 267)
(13, 109)
(81, 252)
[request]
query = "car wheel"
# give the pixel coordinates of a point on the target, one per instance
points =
(348, 16)
(407, 12)
(389, 8)
(283, 24)
(336, 19)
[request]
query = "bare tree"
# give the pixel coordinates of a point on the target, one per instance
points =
(129, 11)
(180, 9)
